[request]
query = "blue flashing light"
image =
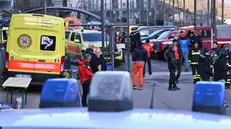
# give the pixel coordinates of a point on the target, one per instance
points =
(209, 94)
(60, 93)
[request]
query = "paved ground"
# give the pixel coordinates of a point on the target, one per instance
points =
(163, 99)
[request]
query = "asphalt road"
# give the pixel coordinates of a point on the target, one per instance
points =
(163, 99)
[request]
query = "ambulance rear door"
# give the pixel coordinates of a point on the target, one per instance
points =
(22, 44)
(50, 45)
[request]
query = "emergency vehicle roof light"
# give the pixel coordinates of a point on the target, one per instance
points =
(209, 97)
(111, 91)
(60, 93)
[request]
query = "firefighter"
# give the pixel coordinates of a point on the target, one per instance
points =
(194, 55)
(205, 65)
(135, 38)
(226, 49)
(220, 68)
(149, 49)
(172, 67)
(139, 56)
(228, 77)
(178, 55)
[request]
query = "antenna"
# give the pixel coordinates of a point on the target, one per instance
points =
(152, 97)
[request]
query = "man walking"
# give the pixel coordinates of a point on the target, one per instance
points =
(172, 66)
(139, 56)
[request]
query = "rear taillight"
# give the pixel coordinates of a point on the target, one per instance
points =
(7, 60)
(62, 65)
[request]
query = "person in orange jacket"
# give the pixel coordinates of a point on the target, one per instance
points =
(149, 49)
(139, 56)
(85, 73)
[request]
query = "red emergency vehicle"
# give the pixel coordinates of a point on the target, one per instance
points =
(162, 42)
(206, 34)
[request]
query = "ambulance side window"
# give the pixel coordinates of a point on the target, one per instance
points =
(67, 34)
(73, 37)
(47, 43)
(78, 37)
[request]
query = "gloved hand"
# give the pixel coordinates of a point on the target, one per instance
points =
(189, 62)
(228, 73)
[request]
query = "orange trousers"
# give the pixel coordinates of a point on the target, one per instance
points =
(138, 67)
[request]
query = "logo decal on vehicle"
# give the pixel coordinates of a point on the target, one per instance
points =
(24, 41)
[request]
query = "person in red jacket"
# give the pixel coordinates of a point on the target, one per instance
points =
(85, 73)
(149, 49)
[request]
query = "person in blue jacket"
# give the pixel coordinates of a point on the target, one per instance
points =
(184, 46)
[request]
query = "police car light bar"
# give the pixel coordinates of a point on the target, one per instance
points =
(111, 91)
(60, 93)
(209, 97)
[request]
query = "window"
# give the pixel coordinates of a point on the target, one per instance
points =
(47, 43)
(78, 37)
(73, 37)
(205, 33)
(171, 36)
(5, 34)
(164, 35)
(71, 22)
(89, 37)
(67, 34)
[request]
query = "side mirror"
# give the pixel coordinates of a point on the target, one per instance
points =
(77, 41)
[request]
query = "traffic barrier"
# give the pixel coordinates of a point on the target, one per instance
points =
(111, 91)
(60, 93)
(209, 97)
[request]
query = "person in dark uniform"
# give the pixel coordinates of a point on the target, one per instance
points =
(228, 65)
(220, 68)
(135, 39)
(172, 67)
(178, 55)
(194, 55)
(205, 65)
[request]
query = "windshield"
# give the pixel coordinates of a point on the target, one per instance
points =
(164, 35)
(5, 34)
(154, 34)
(92, 37)
(144, 33)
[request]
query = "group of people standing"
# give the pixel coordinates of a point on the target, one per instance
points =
(206, 65)
(92, 62)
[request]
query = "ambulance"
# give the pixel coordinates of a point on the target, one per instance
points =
(35, 47)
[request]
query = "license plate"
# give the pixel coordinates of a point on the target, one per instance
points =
(22, 76)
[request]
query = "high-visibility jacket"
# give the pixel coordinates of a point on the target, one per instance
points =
(194, 55)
